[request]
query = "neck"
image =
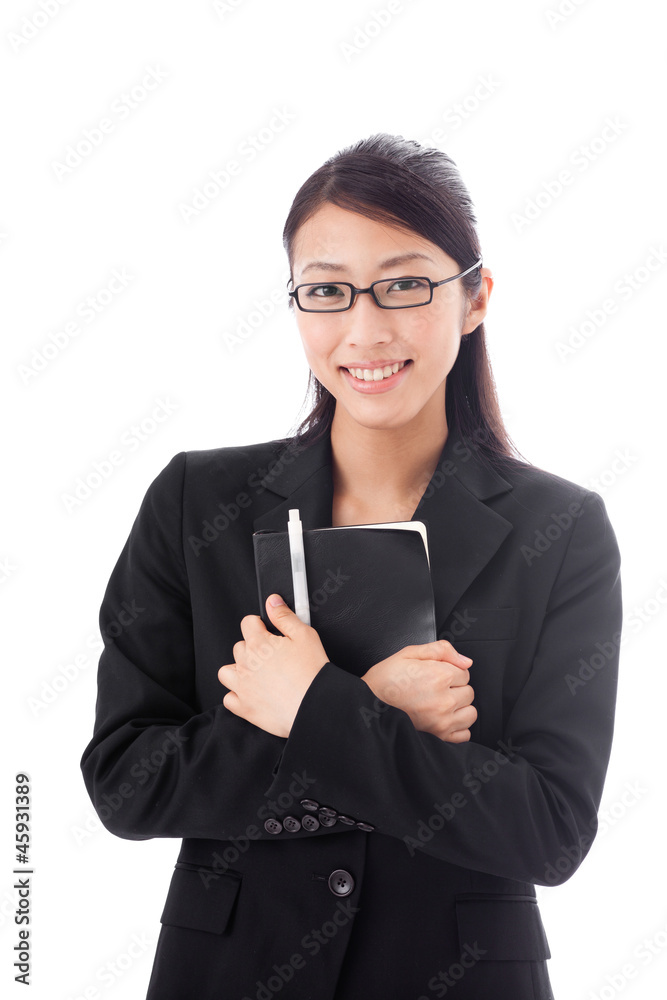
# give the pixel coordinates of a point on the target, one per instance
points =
(393, 463)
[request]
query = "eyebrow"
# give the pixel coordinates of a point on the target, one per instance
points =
(404, 258)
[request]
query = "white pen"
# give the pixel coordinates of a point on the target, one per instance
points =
(298, 558)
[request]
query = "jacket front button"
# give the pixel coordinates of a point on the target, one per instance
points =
(341, 882)
(273, 825)
(310, 822)
(291, 824)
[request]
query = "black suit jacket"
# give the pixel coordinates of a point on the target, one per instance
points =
(359, 857)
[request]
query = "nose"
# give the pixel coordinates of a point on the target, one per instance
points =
(367, 323)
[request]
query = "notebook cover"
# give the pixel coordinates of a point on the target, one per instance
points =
(370, 590)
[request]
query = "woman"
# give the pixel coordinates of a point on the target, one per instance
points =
(375, 836)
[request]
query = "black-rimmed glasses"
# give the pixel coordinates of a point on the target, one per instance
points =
(388, 293)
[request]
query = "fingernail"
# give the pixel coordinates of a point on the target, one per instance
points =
(466, 659)
(275, 600)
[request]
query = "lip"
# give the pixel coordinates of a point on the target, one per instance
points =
(376, 364)
(371, 387)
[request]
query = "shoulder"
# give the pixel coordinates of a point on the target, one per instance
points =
(554, 513)
(226, 469)
(233, 460)
(541, 491)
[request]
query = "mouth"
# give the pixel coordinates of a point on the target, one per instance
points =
(377, 374)
(371, 381)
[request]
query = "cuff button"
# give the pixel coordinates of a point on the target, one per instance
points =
(273, 825)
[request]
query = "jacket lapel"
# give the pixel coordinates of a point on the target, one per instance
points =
(463, 532)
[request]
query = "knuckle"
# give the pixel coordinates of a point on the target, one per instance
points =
(448, 702)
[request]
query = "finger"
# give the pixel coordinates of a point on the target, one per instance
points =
(460, 736)
(461, 678)
(252, 625)
(228, 676)
(465, 717)
(283, 617)
(442, 649)
(232, 702)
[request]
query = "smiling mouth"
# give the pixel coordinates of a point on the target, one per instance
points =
(377, 374)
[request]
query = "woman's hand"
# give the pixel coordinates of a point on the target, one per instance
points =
(271, 673)
(429, 681)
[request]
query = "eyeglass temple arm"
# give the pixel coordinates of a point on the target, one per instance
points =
(478, 263)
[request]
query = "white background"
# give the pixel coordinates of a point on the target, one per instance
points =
(534, 90)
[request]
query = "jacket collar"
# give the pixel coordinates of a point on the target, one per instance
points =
(463, 532)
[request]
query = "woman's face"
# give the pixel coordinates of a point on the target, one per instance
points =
(425, 338)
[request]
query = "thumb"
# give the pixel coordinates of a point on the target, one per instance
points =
(281, 614)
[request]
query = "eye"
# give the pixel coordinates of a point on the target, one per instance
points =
(324, 291)
(408, 285)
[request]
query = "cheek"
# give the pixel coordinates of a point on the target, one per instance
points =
(318, 345)
(435, 338)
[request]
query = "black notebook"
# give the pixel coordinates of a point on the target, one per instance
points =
(369, 587)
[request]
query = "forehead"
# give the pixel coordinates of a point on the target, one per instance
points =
(334, 235)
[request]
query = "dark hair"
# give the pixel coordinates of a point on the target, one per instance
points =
(397, 181)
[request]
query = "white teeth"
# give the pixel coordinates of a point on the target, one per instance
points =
(376, 374)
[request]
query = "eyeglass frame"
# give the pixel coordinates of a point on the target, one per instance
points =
(370, 289)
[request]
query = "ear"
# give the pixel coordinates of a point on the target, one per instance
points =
(476, 307)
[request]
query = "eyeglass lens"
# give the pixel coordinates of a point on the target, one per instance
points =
(392, 293)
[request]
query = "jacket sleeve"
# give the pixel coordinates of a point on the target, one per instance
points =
(156, 766)
(526, 810)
